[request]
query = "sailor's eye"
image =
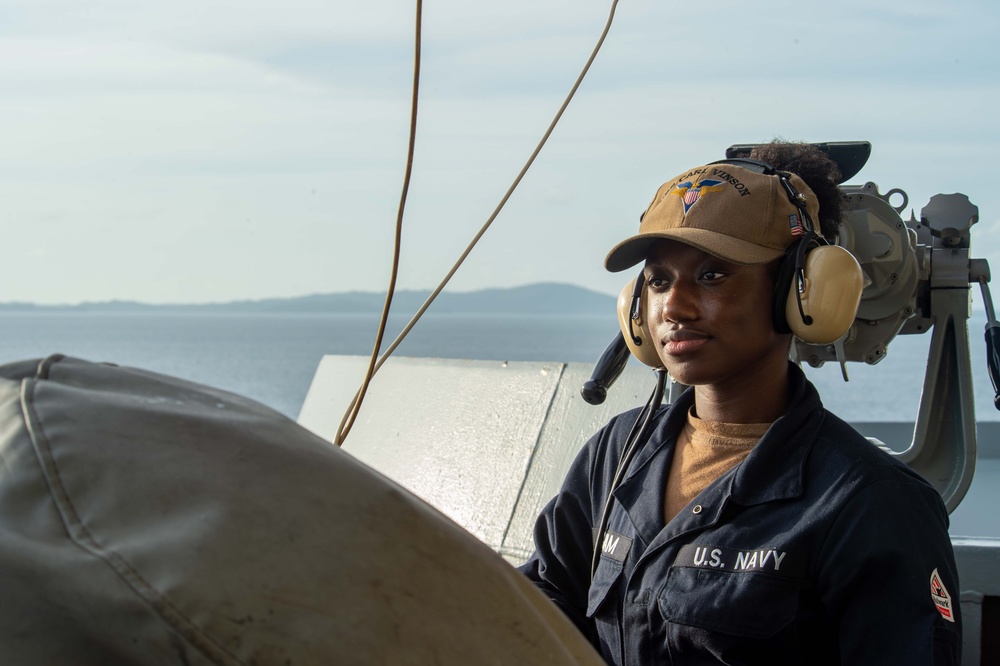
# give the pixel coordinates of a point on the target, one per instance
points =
(655, 282)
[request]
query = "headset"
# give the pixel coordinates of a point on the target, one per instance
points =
(817, 289)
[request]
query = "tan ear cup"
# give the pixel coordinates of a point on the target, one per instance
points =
(636, 333)
(830, 295)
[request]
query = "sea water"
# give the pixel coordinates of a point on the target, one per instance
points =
(272, 357)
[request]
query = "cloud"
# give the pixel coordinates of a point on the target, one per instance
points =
(218, 150)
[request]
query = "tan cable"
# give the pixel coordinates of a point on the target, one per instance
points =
(348, 421)
(355, 405)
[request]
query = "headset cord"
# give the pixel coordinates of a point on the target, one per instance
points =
(799, 285)
(632, 446)
(352, 411)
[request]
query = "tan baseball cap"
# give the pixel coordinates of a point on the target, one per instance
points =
(729, 211)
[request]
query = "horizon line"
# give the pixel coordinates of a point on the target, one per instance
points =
(267, 299)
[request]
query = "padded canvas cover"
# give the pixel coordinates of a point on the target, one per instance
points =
(147, 520)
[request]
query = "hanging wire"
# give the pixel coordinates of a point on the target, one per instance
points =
(352, 412)
(355, 406)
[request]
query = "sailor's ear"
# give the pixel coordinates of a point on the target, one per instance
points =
(632, 304)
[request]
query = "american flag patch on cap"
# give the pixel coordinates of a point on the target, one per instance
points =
(795, 225)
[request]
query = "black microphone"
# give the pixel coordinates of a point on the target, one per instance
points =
(607, 370)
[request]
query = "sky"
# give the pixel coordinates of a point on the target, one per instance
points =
(208, 151)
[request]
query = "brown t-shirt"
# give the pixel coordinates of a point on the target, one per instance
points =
(705, 450)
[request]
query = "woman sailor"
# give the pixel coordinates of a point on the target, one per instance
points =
(752, 526)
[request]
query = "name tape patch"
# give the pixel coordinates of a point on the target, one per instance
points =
(614, 545)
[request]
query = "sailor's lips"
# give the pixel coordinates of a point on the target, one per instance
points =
(679, 342)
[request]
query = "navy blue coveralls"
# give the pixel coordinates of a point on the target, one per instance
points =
(817, 549)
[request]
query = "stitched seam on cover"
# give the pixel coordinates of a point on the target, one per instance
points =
(79, 534)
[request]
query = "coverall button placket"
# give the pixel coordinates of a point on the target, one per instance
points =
(636, 617)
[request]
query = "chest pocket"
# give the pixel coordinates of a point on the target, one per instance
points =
(751, 605)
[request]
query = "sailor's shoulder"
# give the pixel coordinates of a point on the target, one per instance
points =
(842, 449)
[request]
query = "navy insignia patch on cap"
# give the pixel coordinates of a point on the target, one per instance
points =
(691, 192)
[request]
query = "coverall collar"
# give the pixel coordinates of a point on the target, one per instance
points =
(774, 470)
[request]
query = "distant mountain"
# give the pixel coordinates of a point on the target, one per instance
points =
(544, 298)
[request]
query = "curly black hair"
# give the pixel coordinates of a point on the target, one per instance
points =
(818, 171)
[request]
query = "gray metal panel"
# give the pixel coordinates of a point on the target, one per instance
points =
(570, 423)
(459, 434)
(485, 442)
